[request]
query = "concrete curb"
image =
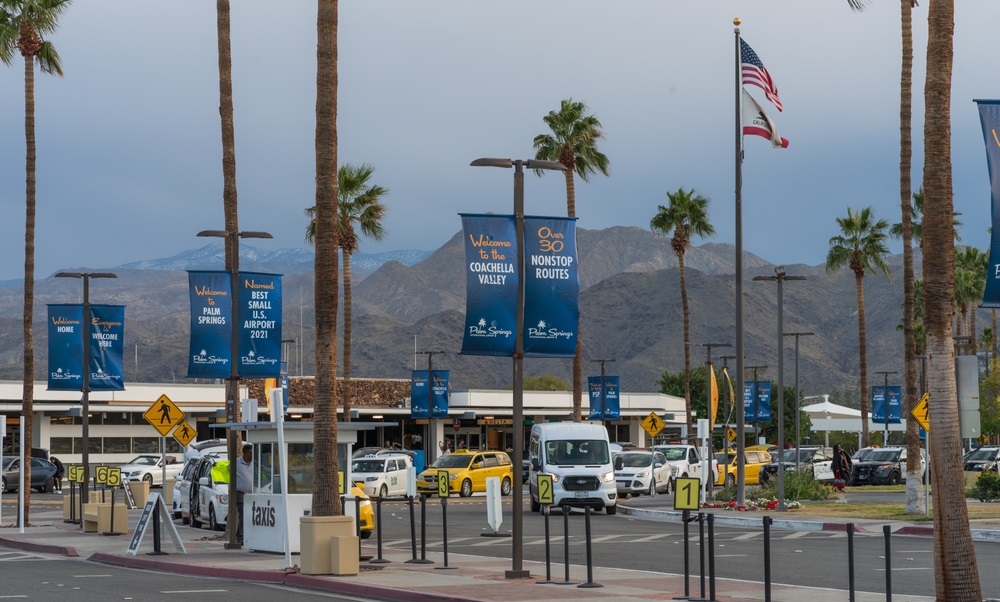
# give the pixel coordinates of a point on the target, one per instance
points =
(30, 546)
(188, 569)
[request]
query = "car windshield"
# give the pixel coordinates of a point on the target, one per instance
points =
(144, 460)
(636, 459)
(862, 453)
(883, 455)
(983, 454)
(577, 452)
(673, 453)
(805, 455)
(367, 465)
(7, 462)
(452, 461)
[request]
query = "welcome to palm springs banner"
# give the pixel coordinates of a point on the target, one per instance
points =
(210, 349)
(989, 115)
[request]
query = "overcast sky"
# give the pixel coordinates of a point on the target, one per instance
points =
(129, 159)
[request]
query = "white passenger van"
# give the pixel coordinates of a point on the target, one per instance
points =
(578, 457)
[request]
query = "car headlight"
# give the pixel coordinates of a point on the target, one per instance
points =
(674, 471)
(452, 477)
(223, 499)
(608, 477)
(883, 468)
(370, 479)
(641, 475)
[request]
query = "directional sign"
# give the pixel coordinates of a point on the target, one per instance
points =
(652, 424)
(921, 413)
(184, 433)
(102, 475)
(114, 477)
(687, 494)
(163, 415)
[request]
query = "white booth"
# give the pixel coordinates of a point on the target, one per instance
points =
(272, 514)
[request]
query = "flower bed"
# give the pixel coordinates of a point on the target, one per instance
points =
(752, 505)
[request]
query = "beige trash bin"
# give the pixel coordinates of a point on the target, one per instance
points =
(328, 545)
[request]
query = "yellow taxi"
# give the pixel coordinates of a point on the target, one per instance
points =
(467, 472)
(367, 514)
(754, 460)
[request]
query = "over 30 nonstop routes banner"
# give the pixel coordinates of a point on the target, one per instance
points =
(259, 329)
(438, 395)
(762, 391)
(551, 286)
(610, 409)
(105, 346)
(989, 115)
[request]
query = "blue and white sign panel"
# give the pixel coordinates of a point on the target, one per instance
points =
(878, 404)
(989, 117)
(491, 284)
(210, 349)
(608, 407)
(106, 333)
(259, 352)
(551, 287)
(65, 347)
(761, 392)
(437, 398)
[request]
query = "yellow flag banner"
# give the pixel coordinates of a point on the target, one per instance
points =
(732, 394)
(269, 385)
(713, 396)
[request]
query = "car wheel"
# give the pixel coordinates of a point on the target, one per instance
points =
(213, 522)
(505, 487)
(731, 480)
(611, 510)
(383, 492)
(3, 485)
(894, 478)
(148, 478)
(366, 534)
(535, 505)
(466, 489)
(47, 487)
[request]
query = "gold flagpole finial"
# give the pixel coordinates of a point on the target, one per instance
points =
(737, 21)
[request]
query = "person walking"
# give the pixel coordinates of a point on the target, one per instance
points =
(244, 485)
(841, 465)
(58, 476)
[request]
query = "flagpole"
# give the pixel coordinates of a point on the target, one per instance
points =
(740, 419)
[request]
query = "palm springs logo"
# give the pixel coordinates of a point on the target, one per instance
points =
(488, 330)
(61, 374)
(202, 358)
(252, 359)
(542, 331)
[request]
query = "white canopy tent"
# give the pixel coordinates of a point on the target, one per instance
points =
(827, 416)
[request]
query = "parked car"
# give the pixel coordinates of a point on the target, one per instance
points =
(982, 460)
(150, 468)
(577, 455)
(753, 462)
(885, 466)
(815, 459)
(42, 472)
(381, 475)
(643, 472)
(467, 472)
(687, 460)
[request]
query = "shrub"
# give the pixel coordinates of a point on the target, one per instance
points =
(798, 486)
(987, 487)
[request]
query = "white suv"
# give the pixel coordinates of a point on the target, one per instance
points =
(381, 475)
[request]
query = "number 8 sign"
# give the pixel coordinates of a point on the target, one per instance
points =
(687, 493)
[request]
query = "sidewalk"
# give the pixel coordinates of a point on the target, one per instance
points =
(474, 578)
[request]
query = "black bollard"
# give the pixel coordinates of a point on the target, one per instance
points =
(701, 551)
(413, 532)
(686, 518)
(444, 532)
(887, 531)
(72, 503)
(590, 562)
(850, 560)
(378, 532)
(423, 534)
(111, 527)
(711, 556)
(767, 558)
(548, 557)
(565, 511)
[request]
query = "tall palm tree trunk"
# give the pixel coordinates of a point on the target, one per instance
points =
(578, 356)
(956, 573)
(348, 320)
(687, 340)
(862, 355)
(28, 376)
(325, 499)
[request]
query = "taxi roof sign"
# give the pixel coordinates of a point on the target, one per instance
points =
(163, 415)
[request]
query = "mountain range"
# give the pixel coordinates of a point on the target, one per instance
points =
(411, 301)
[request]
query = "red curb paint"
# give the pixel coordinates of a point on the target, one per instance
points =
(30, 546)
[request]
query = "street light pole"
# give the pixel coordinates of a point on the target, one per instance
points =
(798, 396)
(885, 405)
(517, 571)
(780, 277)
(85, 387)
(710, 486)
(233, 394)
(604, 398)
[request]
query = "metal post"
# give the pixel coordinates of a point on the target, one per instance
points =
(444, 532)
(885, 406)
(798, 395)
(767, 557)
(378, 534)
(590, 561)
(887, 533)
(738, 204)
(710, 493)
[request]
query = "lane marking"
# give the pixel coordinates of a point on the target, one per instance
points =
(193, 591)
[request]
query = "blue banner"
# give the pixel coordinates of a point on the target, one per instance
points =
(989, 115)
(757, 401)
(65, 347)
(878, 404)
(437, 398)
(607, 407)
(259, 346)
(107, 346)
(490, 284)
(283, 382)
(551, 287)
(210, 349)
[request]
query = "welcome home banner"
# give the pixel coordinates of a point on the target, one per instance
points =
(551, 287)
(107, 347)
(210, 349)
(610, 408)
(65, 326)
(437, 398)
(490, 284)
(878, 404)
(104, 333)
(761, 391)
(989, 115)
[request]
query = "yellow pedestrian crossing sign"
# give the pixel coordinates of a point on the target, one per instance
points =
(184, 433)
(163, 415)
(921, 413)
(652, 424)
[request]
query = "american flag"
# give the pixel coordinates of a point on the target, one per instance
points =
(755, 74)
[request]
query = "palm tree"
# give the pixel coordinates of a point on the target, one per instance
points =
(686, 216)
(573, 142)
(359, 203)
(970, 280)
(861, 246)
(325, 498)
(22, 26)
(229, 207)
(916, 220)
(956, 574)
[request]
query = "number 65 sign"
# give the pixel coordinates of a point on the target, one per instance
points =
(687, 494)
